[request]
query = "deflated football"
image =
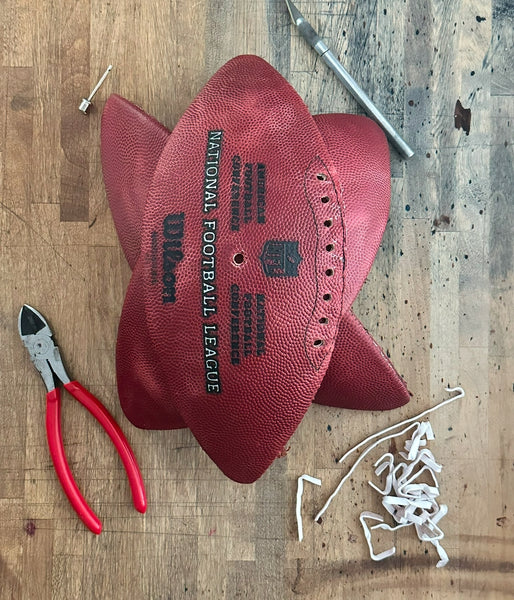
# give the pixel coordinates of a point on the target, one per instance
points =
(250, 228)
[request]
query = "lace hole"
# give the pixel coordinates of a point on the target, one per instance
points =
(239, 258)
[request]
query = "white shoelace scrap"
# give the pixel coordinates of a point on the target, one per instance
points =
(405, 498)
(299, 494)
(413, 502)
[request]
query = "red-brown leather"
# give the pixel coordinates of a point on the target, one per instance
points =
(143, 387)
(359, 374)
(160, 368)
(131, 143)
(360, 153)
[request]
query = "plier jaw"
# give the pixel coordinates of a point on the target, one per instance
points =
(37, 338)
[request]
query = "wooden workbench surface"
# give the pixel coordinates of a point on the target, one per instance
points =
(439, 300)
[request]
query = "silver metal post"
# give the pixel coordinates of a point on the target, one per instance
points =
(86, 102)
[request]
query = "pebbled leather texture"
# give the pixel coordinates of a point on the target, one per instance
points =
(360, 376)
(248, 245)
(360, 153)
(131, 143)
(361, 156)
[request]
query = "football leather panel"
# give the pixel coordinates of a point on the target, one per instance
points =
(349, 382)
(360, 376)
(141, 380)
(360, 153)
(235, 263)
(250, 230)
(131, 143)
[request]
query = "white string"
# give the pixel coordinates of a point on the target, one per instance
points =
(299, 494)
(355, 464)
(421, 415)
(461, 394)
(442, 554)
(413, 502)
(367, 534)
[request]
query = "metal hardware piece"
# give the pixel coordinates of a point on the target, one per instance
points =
(86, 102)
(307, 31)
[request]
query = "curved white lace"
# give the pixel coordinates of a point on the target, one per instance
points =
(406, 499)
(299, 494)
(413, 502)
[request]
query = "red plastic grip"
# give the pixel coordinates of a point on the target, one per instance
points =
(106, 420)
(55, 444)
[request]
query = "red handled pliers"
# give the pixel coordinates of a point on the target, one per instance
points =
(37, 337)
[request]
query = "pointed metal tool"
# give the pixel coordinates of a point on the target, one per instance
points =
(307, 31)
(86, 102)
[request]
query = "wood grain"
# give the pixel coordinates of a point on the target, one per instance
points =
(439, 299)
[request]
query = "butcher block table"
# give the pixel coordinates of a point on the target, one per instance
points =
(438, 299)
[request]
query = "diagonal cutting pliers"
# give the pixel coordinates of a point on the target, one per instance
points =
(44, 353)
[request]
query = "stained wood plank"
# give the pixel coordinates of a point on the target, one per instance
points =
(438, 299)
(74, 128)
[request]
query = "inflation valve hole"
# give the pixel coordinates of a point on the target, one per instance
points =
(321, 176)
(239, 258)
(327, 297)
(330, 247)
(323, 320)
(318, 343)
(329, 272)
(325, 199)
(328, 223)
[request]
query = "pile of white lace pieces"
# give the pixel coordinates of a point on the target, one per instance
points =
(407, 496)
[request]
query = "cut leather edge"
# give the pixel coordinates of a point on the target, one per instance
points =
(131, 144)
(359, 375)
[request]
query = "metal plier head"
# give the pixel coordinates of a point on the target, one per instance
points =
(37, 337)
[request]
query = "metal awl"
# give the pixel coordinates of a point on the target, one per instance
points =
(86, 102)
(307, 31)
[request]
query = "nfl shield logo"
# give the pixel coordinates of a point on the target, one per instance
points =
(280, 258)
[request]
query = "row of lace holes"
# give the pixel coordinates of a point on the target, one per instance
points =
(328, 248)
